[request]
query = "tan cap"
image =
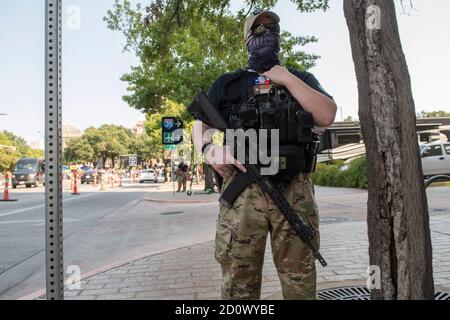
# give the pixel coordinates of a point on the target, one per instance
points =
(250, 20)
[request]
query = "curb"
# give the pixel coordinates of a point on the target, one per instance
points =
(36, 294)
(440, 184)
(39, 293)
(181, 201)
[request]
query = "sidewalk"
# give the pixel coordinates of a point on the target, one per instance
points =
(192, 273)
(166, 193)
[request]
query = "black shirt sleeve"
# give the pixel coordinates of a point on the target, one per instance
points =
(221, 100)
(311, 81)
(215, 92)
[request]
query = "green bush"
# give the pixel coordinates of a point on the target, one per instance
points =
(338, 174)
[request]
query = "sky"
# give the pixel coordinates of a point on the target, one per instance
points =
(93, 61)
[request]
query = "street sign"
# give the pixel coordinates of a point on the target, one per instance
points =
(132, 160)
(172, 131)
(170, 147)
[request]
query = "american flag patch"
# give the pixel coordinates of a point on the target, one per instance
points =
(261, 80)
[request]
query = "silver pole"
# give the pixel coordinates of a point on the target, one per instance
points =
(53, 153)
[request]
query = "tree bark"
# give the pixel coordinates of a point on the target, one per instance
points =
(397, 209)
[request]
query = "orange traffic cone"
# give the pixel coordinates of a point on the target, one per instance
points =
(75, 185)
(6, 192)
(102, 182)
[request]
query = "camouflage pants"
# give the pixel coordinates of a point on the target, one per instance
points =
(241, 241)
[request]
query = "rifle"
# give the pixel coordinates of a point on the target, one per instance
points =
(202, 109)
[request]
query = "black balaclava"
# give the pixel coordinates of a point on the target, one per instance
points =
(263, 51)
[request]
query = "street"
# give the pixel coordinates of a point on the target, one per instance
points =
(103, 230)
(100, 228)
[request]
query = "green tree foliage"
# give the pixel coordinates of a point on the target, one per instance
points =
(338, 174)
(185, 45)
(143, 147)
(433, 114)
(107, 141)
(153, 125)
(117, 140)
(19, 149)
(7, 159)
(80, 151)
(111, 141)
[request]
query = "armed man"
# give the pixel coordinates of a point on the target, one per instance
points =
(266, 95)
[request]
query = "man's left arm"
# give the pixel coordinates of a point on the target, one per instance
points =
(322, 107)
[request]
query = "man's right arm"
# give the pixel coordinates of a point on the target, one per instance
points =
(202, 135)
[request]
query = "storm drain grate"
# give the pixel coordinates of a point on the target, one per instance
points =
(359, 293)
(442, 296)
(171, 212)
(344, 293)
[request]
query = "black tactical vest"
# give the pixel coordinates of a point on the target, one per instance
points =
(265, 106)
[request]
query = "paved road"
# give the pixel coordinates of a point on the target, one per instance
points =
(100, 228)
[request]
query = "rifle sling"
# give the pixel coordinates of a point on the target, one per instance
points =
(236, 187)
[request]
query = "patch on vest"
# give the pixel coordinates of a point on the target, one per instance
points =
(261, 85)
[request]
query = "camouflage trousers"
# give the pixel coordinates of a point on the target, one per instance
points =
(241, 241)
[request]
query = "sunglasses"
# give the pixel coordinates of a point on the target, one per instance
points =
(260, 29)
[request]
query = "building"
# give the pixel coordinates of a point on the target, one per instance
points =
(139, 128)
(69, 132)
(343, 140)
(442, 125)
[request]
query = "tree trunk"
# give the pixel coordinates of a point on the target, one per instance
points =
(397, 210)
(104, 158)
(209, 172)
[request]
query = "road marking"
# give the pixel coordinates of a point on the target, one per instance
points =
(42, 205)
(35, 222)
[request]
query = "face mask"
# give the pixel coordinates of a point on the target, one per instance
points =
(263, 51)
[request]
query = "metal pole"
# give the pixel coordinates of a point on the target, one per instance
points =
(53, 155)
(171, 171)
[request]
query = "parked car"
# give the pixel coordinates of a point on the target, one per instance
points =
(435, 158)
(28, 172)
(88, 175)
(148, 175)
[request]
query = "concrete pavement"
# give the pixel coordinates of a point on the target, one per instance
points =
(190, 272)
(100, 230)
